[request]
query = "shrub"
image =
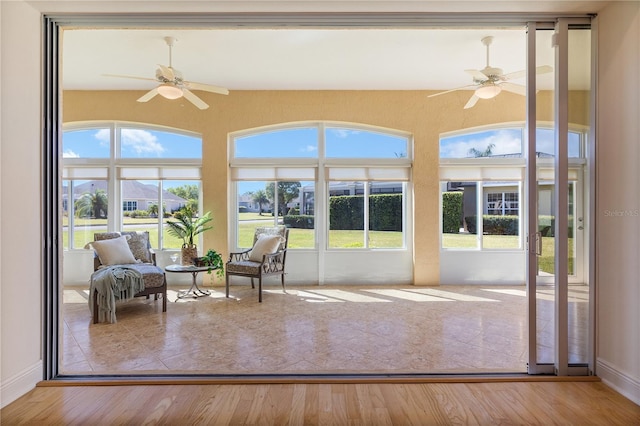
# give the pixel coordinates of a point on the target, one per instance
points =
(494, 224)
(302, 221)
(242, 209)
(385, 212)
(347, 212)
(451, 212)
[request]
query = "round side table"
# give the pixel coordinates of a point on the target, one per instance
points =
(194, 291)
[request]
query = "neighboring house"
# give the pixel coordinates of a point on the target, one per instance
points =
(246, 201)
(135, 195)
(500, 198)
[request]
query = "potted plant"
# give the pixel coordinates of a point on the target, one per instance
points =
(187, 227)
(213, 260)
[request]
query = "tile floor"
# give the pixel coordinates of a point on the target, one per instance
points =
(315, 330)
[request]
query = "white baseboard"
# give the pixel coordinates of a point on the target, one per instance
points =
(618, 380)
(21, 383)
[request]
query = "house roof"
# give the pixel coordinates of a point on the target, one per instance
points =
(131, 190)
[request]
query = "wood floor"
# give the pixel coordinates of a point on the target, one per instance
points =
(540, 403)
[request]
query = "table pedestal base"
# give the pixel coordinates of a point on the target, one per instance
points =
(194, 291)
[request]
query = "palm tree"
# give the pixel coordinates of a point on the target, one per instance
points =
(261, 198)
(486, 153)
(186, 227)
(92, 205)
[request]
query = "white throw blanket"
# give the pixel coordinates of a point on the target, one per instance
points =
(117, 282)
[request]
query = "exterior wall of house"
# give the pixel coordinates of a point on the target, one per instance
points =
(20, 115)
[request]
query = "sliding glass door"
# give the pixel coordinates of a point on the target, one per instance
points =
(558, 194)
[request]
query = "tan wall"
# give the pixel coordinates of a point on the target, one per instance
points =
(410, 111)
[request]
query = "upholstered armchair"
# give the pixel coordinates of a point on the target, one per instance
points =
(136, 255)
(266, 258)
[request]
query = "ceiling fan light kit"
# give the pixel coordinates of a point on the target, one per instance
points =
(488, 91)
(169, 91)
(172, 85)
(489, 82)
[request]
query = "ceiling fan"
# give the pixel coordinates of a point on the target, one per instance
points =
(489, 81)
(172, 84)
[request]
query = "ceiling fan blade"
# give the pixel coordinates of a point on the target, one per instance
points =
(452, 90)
(542, 69)
(472, 101)
(194, 99)
(206, 87)
(476, 74)
(167, 72)
(514, 88)
(129, 76)
(149, 95)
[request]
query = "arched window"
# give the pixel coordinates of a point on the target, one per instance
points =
(335, 185)
(123, 176)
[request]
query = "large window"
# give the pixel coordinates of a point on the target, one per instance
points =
(357, 175)
(120, 177)
(482, 175)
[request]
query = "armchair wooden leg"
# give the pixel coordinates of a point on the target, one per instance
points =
(284, 288)
(252, 285)
(227, 284)
(95, 307)
(259, 289)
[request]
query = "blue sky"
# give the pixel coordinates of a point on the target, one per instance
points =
(136, 143)
(303, 143)
(505, 141)
(297, 143)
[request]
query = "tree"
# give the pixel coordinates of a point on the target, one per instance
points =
(193, 204)
(287, 192)
(92, 205)
(261, 198)
(486, 153)
(188, 192)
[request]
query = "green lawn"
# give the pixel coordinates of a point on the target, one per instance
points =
(304, 238)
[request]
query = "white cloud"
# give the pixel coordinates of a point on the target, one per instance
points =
(69, 154)
(103, 136)
(141, 141)
(504, 141)
(343, 133)
(309, 148)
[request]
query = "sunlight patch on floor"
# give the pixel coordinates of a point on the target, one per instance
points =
(408, 295)
(451, 295)
(507, 291)
(349, 296)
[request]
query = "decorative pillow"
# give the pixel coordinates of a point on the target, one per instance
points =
(266, 244)
(139, 245)
(114, 251)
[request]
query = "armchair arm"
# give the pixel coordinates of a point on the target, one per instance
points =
(274, 262)
(96, 261)
(152, 254)
(239, 256)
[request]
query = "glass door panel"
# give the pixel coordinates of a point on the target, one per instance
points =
(558, 229)
(544, 153)
(579, 298)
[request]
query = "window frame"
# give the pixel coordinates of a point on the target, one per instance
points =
(322, 166)
(112, 169)
(477, 167)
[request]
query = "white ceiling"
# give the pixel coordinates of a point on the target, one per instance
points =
(293, 59)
